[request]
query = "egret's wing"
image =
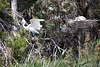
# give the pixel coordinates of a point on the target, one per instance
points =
(32, 29)
(36, 23)
(36, 20)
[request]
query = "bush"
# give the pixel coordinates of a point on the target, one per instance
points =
(88, 58)
(18, 47)
(3, 5)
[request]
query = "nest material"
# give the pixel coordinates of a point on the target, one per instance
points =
(81, 30)
(83, 24)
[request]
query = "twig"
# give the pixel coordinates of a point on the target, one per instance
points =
(3, 22)
(5, 53)
(56, 46)
(28, 42)
(19, 16)
(54, 43)
(32, 50)
(14, 60)
(2, 27)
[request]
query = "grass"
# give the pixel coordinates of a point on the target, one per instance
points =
(89, 57)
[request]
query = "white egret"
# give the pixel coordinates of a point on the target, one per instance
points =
(80, 18)
(33, 26)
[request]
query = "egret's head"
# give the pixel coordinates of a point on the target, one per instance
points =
(23, 21)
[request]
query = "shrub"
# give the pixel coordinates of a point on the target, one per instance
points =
(18, 47)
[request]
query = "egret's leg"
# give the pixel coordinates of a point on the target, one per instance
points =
(33, 35)
(29, 35)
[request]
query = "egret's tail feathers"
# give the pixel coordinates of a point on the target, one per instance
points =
(35, 31)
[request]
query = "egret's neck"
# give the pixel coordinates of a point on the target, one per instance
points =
(24, 26)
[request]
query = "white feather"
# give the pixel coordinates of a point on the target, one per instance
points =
(80, 18)
(33, 26)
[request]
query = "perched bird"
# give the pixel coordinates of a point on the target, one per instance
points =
(80, 18)
(33, 26)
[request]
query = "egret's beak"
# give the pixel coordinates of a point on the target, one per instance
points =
(36, 20)
(40, 19)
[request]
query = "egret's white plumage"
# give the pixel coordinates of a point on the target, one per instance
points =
(33, 26)
(36, 23)
(80, 18)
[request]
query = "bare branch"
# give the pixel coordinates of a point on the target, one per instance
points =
(56, 46)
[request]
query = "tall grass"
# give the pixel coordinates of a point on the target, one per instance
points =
(89, 57)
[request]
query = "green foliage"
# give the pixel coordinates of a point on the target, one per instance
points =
(3, 15)
(45, 63)
(3, 35)
(3, 5)
(18, 46)
(88, 58)
(22, 32)
(2, 60)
